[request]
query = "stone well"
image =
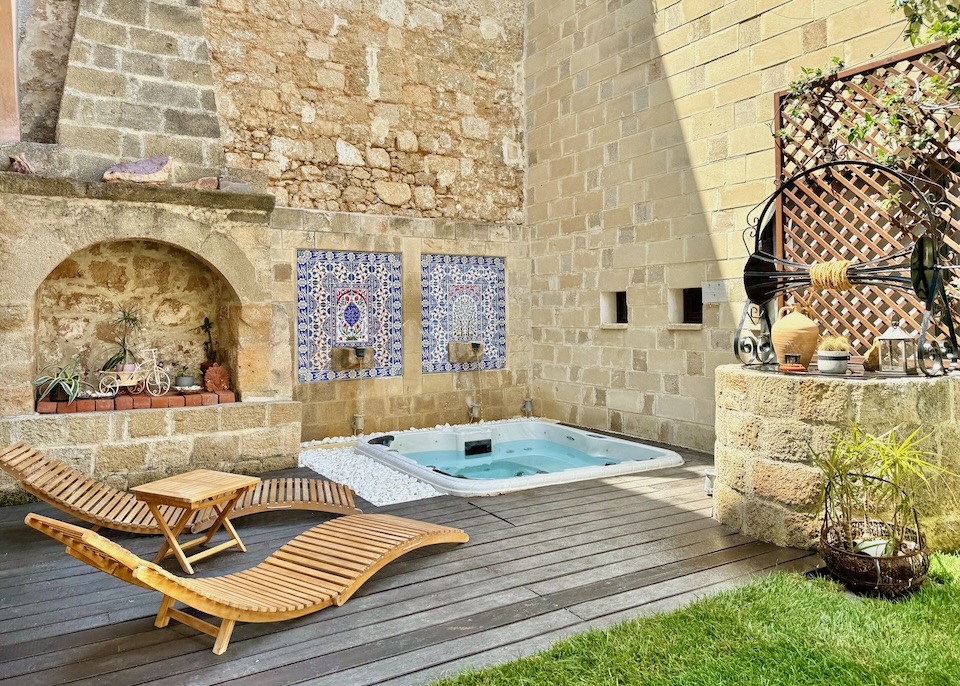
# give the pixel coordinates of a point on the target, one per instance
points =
(767, 422)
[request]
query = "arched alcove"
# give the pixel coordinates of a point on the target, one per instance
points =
(172, 289)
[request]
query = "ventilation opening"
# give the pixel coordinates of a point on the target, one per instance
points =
(613, 308)
(693, 306)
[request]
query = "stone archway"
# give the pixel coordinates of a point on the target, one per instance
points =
(171, 289)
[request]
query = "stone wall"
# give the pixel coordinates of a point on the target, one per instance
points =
(45, 34)
(139, 84)
(386, 107)
(133, 447)
(649, 138)
(415, 399)
(766, 486)
(172, 291)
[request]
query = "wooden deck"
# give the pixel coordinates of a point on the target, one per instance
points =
(540, 565)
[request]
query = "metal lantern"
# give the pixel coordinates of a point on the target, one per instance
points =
(898, 351)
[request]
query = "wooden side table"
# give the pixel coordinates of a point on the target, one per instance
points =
(192, 492)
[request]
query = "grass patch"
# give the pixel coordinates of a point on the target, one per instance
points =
(781, 629)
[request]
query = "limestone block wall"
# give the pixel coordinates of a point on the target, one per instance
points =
(414, 399)
(139, 84)
(766, 423)
(49, 220)
(45, 32)
(383, 107)
(649, 138)
(133, 447)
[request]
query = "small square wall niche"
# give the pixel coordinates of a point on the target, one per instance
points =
(462, 300)
(348, 300)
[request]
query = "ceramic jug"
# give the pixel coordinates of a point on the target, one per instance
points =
(795, 333)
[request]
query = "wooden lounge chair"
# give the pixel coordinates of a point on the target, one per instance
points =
(321, 567)
(93, 501)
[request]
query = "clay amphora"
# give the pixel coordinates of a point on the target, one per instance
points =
(795, 333)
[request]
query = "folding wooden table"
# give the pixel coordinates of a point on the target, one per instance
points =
(192, 492)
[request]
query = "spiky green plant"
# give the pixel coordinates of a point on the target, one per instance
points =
(128, 322)
(834, 344)
(66, 377)
(870, 479)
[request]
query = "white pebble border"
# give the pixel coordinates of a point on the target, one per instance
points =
(372, 481)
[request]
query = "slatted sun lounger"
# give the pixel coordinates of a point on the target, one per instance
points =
(321, 567)
(93, 501)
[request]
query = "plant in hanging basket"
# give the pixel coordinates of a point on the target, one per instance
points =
(870, 538)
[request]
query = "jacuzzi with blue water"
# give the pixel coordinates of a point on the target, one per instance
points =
(475, 460)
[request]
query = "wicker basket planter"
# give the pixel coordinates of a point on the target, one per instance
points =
(885, 575)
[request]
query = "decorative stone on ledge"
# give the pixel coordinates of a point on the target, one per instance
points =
(130, 447)
(767, 423)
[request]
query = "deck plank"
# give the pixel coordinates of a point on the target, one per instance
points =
(540, 565)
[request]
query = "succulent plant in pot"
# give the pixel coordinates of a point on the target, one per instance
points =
(870, 538)
(60, 383)
(187, 376)
(833, 355)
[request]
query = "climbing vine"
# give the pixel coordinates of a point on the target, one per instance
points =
(929, 20)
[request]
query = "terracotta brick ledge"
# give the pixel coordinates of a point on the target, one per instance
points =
(140, 401)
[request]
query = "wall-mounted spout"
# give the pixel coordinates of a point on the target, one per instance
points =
(465, 352)
(357, 423)
(526, 407)
(354, 357)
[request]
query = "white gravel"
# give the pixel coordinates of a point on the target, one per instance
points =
(372, 481)
(368, 478)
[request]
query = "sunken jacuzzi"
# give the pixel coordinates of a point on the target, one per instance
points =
(478, 460)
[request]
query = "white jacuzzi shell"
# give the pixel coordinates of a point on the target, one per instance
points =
(634, 457)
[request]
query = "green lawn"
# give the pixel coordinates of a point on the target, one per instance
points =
(782, 629)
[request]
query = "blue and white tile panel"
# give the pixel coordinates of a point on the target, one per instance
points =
(348, 299)
(462, 298)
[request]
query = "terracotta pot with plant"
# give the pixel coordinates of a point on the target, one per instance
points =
(833, 355)
(870, 538)
(126, 325)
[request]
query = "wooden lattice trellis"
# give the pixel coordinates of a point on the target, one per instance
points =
(856, 213)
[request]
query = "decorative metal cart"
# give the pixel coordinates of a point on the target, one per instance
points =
(148, 375)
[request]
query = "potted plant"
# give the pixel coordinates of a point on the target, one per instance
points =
(871, 538)
(127, 323)
(186, 376)
(833, 355)
(62, 383)
(209, 349)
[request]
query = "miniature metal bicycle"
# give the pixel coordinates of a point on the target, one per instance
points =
(148, 375)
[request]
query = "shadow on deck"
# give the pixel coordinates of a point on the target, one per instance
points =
(540, 565)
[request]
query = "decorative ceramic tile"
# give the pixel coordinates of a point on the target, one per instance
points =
(462, 299)
(348, 300)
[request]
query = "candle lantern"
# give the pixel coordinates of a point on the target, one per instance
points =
(898, 352)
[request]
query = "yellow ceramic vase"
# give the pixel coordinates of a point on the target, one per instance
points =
(795, 333)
